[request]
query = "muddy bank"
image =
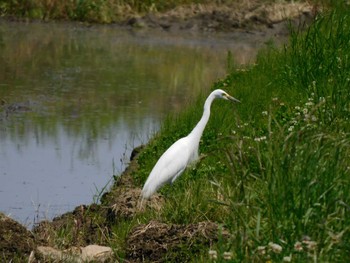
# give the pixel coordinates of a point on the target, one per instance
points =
(94, 224)
(16, 242)
(249, 16)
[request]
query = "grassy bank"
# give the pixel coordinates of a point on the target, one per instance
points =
(277, 172)
(276, 176)
(100, 11)
(104, 11)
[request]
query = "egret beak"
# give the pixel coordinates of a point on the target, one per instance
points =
(232, 98)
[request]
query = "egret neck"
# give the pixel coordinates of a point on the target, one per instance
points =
(196, 133)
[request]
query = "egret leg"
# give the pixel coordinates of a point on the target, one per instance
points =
(140, 204)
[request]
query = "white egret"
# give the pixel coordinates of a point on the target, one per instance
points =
(182, 153)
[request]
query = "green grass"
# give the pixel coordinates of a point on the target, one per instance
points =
(276, 175)
(103, 11)
(278, 164)
(96, 11)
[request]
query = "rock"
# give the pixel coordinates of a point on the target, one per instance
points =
(91, 253)
(96, 253)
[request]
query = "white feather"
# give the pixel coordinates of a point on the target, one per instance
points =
(182, 153)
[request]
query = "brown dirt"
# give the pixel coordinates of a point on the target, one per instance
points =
(239, 16)
(155, 240)
(85, 225)
(15, 240)
(92, 224)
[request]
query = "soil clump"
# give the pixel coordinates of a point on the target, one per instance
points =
(15, 240)
(159, 242)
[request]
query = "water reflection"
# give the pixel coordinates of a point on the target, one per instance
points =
(76, 100)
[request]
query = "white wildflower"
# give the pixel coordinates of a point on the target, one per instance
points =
(227, 255)
(309, 103)
(275, 248)
(287, 259)
(298, 246)
(213, 254)
(261, 250)
(260, 139)
(311, 245)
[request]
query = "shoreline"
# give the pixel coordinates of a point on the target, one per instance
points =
(259, 28)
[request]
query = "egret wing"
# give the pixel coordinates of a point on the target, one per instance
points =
(169, 166)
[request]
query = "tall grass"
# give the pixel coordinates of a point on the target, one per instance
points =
(100, 11)
(320, 63)
(277, 175)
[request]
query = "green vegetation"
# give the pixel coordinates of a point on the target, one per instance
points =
(101, 11)
(276, 175)
(277, 172)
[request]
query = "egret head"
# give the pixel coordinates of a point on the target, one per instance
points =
(221, 94)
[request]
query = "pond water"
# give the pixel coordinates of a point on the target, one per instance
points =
(75, 100)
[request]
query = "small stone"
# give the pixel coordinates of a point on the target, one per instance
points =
(89, 253)
(96, 253)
